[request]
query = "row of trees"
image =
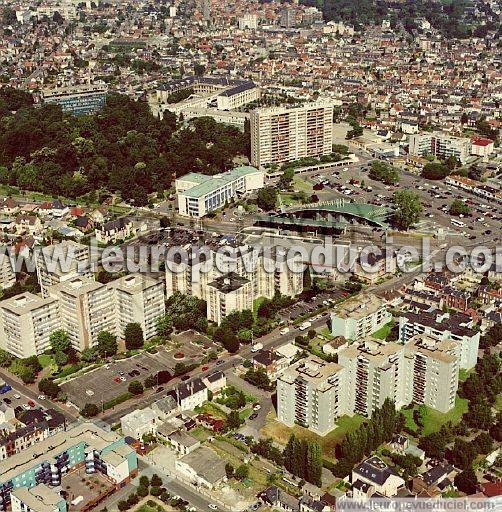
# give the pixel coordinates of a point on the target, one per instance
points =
(384, 423)
(303, 458)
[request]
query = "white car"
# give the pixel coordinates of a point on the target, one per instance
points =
(284, 331)
(123, 379)
(42, 397)
(212, 506)
(17, 397)
(26, 407)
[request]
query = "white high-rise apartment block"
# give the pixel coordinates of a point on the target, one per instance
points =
(311, 393)
(315, 393)
(444, 326)
(359, 316)
(26, 323)
(87, 308)
(138, 298)
(374, 372)
(7, 274)
(432, 371)
(287, 134)
(50, 264)
(440, 145)
(227, 293)
(266, 273)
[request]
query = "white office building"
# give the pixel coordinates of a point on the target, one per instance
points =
(440, 145)
(200, 194)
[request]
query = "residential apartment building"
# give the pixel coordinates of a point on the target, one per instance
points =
(238, 96)
(315, 393)
(443, 326)
(432, 371)
(26, 323)
(311, 393)
(59, 262)
(200, 194)
(85, 446)
(359, 316)
(7, 274)
(40, 498)
(268, 272)
(138, 298)
(227, 293)
(440, 145)
(78, 100)
(282, 134)
(374, 372)
(86, 308)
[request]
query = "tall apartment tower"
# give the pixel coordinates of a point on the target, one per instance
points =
(26, 323)
(138, 298)
(311, 393)
(432, 369)
(375, 371)
(86, 308)
(287, 134)
(51, 262)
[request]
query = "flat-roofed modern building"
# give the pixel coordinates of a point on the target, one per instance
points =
(432, 371)
(359, 316)
(288, 134)
(227, 293)
(87, 308)
(40, 498)
(26, 323)
(78, 100)
(440, 145)
(85, 446)
(456, 327)
(200, 194)
(59, 262)
(375, 372)
(311, 393)
(138, 298)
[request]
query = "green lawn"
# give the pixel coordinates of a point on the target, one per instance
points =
(433, 420)
(498, 403)
(45, 360)
(463, 374)
(302, 185)
(281, 433)
(256, 304)
(383, 332)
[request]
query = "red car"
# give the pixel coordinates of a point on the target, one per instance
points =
(204, 368)
(31, 403)
(117, 379)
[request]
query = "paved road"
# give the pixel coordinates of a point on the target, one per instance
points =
(70, 414)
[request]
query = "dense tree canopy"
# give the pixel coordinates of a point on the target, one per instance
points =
(122, 148)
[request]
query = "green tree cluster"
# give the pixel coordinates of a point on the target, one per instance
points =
(303, 458)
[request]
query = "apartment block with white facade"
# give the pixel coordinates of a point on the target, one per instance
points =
(7, 274)
(227, 293)
(432, 371)
(287, 134)
(60, 262)
(26, 323)
(440, 145)
(456, 327)
(374, 372)
(138, 298)
(87, 308)
(311, 393)
(359, 316)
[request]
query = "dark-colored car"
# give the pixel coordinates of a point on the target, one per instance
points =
(253, 416)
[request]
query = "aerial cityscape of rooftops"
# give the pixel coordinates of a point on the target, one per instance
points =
(251, 255)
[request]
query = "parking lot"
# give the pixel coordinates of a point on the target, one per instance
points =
(111, 380)
(319, 301)
(19, 401)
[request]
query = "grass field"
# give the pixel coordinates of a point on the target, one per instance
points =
(383, 332)
(302, 185)
(281, 433)
(434, 420)
(45, 360)
(463, 374)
